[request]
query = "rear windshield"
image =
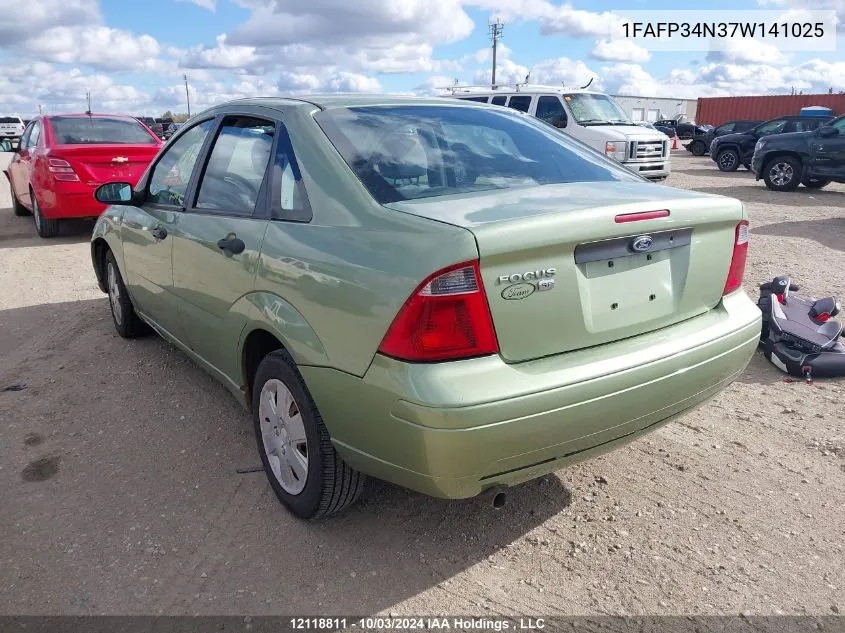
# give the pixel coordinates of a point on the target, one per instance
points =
(9, 119)
(407, 152)
(84, 130)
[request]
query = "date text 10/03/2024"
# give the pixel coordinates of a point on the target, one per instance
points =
(417, 623)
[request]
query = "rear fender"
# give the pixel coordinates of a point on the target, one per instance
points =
(269, 312)
(106, 234)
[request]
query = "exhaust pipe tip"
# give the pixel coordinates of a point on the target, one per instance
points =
(499, 500)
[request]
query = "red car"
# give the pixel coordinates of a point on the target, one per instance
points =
(62, 159)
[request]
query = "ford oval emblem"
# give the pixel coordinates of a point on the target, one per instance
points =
(642, 243)
(518, 291)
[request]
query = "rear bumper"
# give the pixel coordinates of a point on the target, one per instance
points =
(453, 429)
(650, 169)
(69, 200)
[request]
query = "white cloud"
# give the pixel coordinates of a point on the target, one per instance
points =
(97, 46)
(369, 23)
(748, 50)
(222, 55)
(23, 18)
(211, 5)
(553, 19)
(794, 7)
(619, 51)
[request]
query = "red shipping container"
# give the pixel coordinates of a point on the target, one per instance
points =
(718, 110)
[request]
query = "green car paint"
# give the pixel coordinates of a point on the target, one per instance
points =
(614, 348)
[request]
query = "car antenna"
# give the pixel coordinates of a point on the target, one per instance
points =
(587, 85)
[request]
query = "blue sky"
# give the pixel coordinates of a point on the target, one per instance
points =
(131, 55)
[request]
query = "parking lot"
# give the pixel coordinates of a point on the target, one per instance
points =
(121, 494)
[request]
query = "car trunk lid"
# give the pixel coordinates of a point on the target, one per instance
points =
(100, 163)
(564, 268)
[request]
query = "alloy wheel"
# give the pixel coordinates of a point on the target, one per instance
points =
(781, 173)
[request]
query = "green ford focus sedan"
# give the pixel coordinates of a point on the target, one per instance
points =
(446, 295)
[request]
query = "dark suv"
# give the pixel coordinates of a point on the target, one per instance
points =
(682, 126)
(154, 125)
(732, 150)
(700, 143)
(813, 159)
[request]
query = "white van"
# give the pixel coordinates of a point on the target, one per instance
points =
(591, 117)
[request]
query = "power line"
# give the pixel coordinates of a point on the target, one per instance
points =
(495, 34)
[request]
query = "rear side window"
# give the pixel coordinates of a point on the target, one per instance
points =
(236, 165)
(85, 130)
(34, 135)
(499, 100)
(408, 152)
(521, 103)
(808, 125)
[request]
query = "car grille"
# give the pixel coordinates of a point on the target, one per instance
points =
(648, 150)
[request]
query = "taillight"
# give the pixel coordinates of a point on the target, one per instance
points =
(737, 269)
(62, 170)
(446, 318)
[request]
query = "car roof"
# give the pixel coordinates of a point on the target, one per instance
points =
(77, 115)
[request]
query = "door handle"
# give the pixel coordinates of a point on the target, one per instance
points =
(159, 232)
(232, 244)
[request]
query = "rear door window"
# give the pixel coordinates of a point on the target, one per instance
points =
(499, 100)
(520, 102)
(236, 166)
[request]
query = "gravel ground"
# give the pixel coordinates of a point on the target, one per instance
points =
(120, 494)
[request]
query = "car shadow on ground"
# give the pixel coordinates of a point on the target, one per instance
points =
(758, 194)
(143, 448)
(829, 232)
(739, 174)
(19, 231)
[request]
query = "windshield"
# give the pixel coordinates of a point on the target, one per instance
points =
(96, 130)
(9, 119)
(592, 109)
(407, 152)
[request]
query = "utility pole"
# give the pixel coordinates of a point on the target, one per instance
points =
(88, 98)
(39, 109)
(187, 95)
(495, 34)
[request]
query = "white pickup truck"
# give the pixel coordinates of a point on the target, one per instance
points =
(11, 127)
(592, 117)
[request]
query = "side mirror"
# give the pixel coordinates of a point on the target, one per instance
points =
(115, 193)
(827, 131)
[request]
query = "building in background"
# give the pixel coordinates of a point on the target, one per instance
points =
(655, 108)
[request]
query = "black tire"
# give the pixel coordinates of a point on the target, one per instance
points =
(782, 173)
(698, 148)
(44, 227)
(815, 183)
(17, 207)
(126, 321)
(727, 160)
(330, 484)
